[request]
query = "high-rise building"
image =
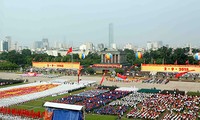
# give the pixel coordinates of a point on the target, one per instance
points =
(82, 47)
(128, 46)
(87, 46)
(111, 39)
(38, 45)
(149, 45)
(4, 45)
(154, 45)
(45, 43)
(8, 39)
(15, 46)
(100, 46)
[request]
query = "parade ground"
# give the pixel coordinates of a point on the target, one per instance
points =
(183, 86)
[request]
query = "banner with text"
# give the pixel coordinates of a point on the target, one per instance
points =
(170, 68)
(64, 65)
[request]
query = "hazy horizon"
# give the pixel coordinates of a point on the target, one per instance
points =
(175, 22)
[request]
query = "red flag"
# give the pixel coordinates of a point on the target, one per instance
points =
(176, 62)
(102, 78)
(69, 50)
(182, 73)
(187, 62)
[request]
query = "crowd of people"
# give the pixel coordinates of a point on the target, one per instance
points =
(112, 110)
(13, 113)
(94, 102)
(144, 105)
(158, 103)
(101, 100)
(70, 99)
(156, 80)
(118, 102)
(143, 113)
(92, 93)
(61, 71)
(178, 116)
(131, 100)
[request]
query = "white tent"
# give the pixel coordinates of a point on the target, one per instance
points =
(63, 106)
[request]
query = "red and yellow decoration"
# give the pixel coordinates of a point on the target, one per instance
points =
(25, 90)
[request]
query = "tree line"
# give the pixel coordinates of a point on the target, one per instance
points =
(14, 59)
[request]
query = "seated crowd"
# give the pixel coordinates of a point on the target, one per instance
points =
(92, 93)
(156, 80)
(143, 105)
(111, 110)
(158, 103)
(94, 101)
(131, 100)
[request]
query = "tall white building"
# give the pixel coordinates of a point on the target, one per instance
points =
(100, 46)
(1, 45)
(42, 45)
(154, 45)
(58, 45)
(111, 35)
(128, 46)
(149, 45)
(82, 47)
(87, 46)
(15, 46)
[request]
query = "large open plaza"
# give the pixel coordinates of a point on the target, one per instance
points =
(125, 102)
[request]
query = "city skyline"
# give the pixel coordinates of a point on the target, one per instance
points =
(173, 22)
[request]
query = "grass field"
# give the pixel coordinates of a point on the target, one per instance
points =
(37, 105)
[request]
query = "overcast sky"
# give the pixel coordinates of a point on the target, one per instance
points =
(175, 22)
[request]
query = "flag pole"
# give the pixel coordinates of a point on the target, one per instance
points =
(72, 61)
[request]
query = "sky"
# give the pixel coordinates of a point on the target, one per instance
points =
(175, 22)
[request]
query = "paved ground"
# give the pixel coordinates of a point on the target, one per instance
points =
(186, 86)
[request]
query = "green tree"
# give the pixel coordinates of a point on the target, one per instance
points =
(90, 70)
(119, 70)
(130, 56)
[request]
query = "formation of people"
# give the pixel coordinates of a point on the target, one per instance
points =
(142, 105)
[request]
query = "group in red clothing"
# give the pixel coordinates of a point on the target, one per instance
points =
(21, 112)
